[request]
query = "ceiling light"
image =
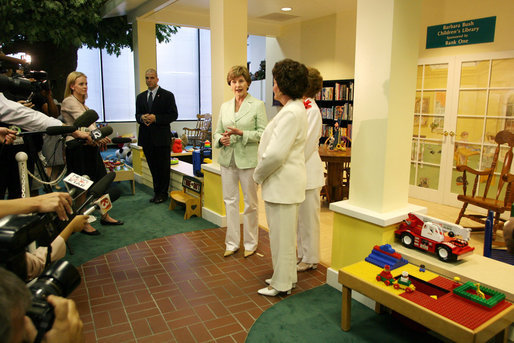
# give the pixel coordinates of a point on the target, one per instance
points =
(286, 9)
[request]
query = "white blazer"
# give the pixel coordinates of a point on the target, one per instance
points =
(281, 156)
(313, 164)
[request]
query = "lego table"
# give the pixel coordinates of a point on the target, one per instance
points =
(443, 315)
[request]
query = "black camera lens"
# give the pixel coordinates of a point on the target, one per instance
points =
(60, 279)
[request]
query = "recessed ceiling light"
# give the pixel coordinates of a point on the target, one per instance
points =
(286, 9)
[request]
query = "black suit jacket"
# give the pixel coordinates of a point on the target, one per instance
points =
(165, 110)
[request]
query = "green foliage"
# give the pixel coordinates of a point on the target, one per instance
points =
(65, 23)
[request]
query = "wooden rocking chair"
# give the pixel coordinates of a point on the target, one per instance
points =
(201, 132)
(505, 189)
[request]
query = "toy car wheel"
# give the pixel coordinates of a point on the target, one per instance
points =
(444, 253)
(408, 290)
(407, 239)
(396, 286)
(387, 282)
(378, 278)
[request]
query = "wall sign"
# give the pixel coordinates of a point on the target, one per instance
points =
(466, 32)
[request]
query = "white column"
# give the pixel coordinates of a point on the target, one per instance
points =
(387, 36)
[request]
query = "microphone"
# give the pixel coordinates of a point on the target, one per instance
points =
(87, 118)
(95, 134)
(98, 189)
(52, 131)
(123, 140)
(104, 203)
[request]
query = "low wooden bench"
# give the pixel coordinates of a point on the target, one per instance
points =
(190, 196)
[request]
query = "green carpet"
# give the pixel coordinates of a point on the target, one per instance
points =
(315, 316)
(143, 221)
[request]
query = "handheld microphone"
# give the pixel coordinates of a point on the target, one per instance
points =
(52, 131)
(95, 135)
(123, 140)
(104, 203)
(98, 189)
(87, 118)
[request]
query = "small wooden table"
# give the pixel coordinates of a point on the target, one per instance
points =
(361, 277)
(337, 162)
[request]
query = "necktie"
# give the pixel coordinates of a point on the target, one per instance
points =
(150, 101)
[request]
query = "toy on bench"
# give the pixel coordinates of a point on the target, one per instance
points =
(190, 196)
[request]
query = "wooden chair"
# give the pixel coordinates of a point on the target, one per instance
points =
(201, 132)
(190, 196)
(502, 200)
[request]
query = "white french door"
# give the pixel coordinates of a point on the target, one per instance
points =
(461, 103)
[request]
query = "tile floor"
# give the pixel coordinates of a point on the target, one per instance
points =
(178, 289)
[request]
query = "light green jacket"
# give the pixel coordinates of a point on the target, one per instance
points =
(251, 119)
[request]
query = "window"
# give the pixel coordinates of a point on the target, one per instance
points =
(183, 66)
(110, 81)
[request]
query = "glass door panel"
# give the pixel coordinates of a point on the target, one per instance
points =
(485, 107)
(429, 121)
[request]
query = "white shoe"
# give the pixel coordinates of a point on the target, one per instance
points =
(271, 292)
(302, 266)
(268, 281)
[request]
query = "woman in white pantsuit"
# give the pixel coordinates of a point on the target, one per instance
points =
(308, 215)
(240, 125)
(281, 172)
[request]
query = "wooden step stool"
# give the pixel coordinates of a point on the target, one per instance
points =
(190, 196)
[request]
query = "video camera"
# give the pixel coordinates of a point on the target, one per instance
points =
(61, 277)
(21, 85)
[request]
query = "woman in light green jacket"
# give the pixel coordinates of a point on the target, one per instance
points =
(240, 125)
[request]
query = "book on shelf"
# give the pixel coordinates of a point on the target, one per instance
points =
(343, 91)
(338, 112)
(327, 93)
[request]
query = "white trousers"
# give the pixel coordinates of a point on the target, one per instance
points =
(230, 179)
(282, 221)
(309, 226)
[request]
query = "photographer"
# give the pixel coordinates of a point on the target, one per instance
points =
(16, 327)
(52, 202)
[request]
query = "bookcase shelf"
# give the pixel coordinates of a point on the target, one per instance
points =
(335, 102)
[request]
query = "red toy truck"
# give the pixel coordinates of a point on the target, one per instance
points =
(435, 236)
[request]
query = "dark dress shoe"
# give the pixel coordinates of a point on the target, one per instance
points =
(105, 222)
(152, 200)
(160, 199)
(90, 233)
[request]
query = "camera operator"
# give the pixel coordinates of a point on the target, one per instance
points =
(16, 327)
(13, 113)
(51, 202)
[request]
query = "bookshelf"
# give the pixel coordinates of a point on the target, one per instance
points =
(335, 102)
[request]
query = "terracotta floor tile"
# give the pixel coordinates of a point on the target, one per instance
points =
(226, 330)
(178, 289)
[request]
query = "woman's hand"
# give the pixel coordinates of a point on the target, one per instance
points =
(234, 131)
(225, 139)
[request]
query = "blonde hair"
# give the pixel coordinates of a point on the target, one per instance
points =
(70, 80)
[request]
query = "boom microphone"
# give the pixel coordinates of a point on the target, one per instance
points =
(52, 131)
(87, 118)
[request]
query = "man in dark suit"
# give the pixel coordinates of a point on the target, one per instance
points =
(155, 110)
